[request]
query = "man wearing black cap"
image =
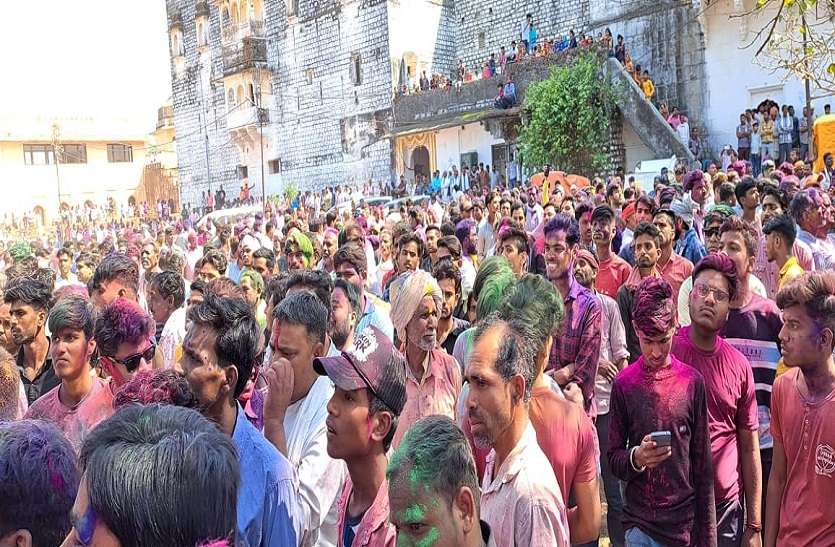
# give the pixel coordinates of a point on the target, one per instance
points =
(370, 393)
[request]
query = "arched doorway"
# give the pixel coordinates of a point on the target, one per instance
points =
(420, 161)
(40, 214)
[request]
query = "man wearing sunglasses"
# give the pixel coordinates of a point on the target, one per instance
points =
(124, 335)
(731, 402)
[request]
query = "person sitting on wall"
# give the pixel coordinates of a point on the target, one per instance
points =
(508, 96)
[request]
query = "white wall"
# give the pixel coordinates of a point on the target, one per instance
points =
(735, 80)
(634, 148)
(454, 141)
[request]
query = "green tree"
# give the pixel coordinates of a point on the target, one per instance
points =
(567, 118)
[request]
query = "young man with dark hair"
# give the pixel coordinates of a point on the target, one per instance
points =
(351, 264)
(35, 458)
(449, 327)
(576, 351)
(65, 275)
(117, 276)
(647, 245)
(748, 197)
(671, 266)
(613, 271)
(774, 203)
(211, 266)
(85, 265)
(753, 327)
(644, 211)
(583, 216)
(800, 509)
(669, 489)
(450, 246)
(166, 296)
(29, 302)
(410, 249)
(430, 256)
(82, 400)
(120, 469)
(125, 341)
(731, 401)
(294, 411)
(515, 247)
(218, 355)
(263, 262)
(345, 313)
(370, 393)
(780, 233)
(435, 454)
(613, 358)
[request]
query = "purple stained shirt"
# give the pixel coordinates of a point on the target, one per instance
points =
(731, 406)
(673, 502)
(577, 340)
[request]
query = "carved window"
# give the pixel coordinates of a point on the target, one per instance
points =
(356, 68)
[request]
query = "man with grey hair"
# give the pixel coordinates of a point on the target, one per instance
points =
(81, 400)
(295, 410)
(435, 454)
(809, 210)
(521, 499)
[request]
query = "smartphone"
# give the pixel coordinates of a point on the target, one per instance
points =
(661, 438)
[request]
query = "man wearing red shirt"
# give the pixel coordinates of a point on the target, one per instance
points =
(613, 271)
(672, 267)
(731, 403)
(800, 509)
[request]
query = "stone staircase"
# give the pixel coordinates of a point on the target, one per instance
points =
(644, 118)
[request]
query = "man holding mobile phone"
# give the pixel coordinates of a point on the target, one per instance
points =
(669, 489)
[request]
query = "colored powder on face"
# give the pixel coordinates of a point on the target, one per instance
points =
(414, 513)
(431, 538)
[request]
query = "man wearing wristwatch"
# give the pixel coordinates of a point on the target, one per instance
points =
(669, 489)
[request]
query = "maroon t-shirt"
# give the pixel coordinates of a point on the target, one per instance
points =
(673, 502)
(731, 405)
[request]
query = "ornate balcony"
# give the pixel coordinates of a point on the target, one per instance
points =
(201, 9)
(175, 20)
(243, 55)
(165, 117)
(244, 123)
(248, 28)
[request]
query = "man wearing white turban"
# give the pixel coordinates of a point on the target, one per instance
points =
(433, 377)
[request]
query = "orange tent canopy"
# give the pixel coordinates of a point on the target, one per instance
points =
(558, 177)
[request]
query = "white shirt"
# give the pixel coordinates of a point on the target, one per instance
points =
(521, 501)
(319, 477)
(172, 336)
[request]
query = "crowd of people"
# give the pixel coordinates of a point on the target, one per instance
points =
(528, 43)
(479, 369)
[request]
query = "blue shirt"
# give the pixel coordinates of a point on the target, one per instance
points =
(690, 247)
(371, 315)
(233, 271)
(268, 514)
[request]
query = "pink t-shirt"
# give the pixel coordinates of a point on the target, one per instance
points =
(78, 421)
(807, 432)
(436, 393)
(611, 275)
(731, 405)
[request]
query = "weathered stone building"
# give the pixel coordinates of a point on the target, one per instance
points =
(304, 90)
(305, 85)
